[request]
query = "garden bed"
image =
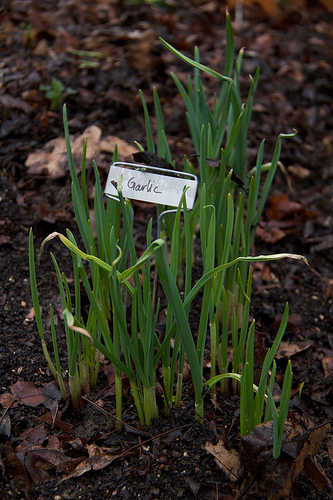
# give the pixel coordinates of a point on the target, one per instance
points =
(171, 457)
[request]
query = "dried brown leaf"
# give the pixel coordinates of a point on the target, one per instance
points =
(27, 394)
(54, 421)
(5, 424)
(92, 135)
(19, 476)
(288, 349)
(125, 149)
(298, 172)
(227, 460)
(32, 436)
(274, 478)
(327, 362)
(51, 454)
(270, 232)
(281, 207)
(50, 161)
(97, 460)
(193, 485)
(37, 474)
(316, 474)
(6, 399)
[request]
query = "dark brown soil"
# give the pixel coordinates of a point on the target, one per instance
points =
(295, 52)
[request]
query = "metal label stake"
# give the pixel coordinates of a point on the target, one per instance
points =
(153, 185)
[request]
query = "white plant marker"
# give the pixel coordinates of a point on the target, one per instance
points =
(151, 184)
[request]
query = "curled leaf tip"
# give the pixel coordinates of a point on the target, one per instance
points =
(48, 238)
(298, 257)
(117, 259)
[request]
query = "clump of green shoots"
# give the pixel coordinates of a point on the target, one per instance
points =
(227, 210)
(236, 198)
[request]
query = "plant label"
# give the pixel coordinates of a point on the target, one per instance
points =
(151, 184)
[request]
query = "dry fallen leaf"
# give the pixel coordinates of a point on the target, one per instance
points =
(97, 460)
(5, 424)
(227, 460)
(274, 478)
(50, 455)
(92, 135)
(125, 149)
(51, 161)
(53, 419)
(37, 474)
(26, 393)
(288, 349)
(298, 172)
(193, 485)
(316, 474)
(272, 231)
(19, 476)
(281, 207)
(6, 400)
(327, 361)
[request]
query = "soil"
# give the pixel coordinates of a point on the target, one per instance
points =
(294, 48)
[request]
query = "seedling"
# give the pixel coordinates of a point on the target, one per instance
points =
(56, 93)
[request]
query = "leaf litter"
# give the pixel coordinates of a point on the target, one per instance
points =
(51, 161)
